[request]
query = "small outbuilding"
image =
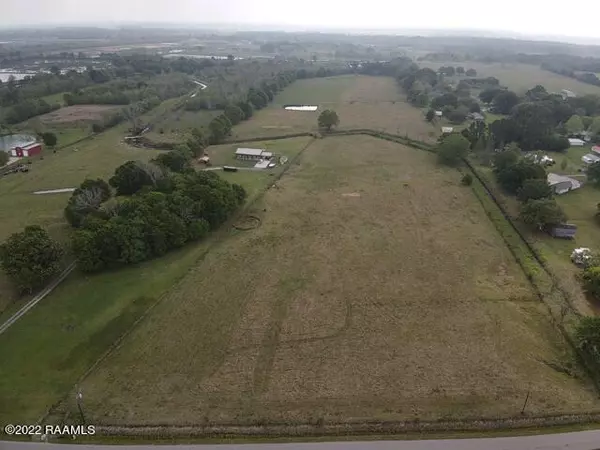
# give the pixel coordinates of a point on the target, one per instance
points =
(439, 114)
(596, 149)
(564, 231)
(447, 130)
(561, 184)
(27, 150)
(575, 142)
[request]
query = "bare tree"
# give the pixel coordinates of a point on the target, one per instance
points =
(88, 198)
(154, 171)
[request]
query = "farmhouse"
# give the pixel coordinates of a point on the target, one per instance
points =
(574, 142)
(27, 150)
(561, 184)
(252, 154)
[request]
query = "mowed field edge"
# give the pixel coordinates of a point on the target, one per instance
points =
(376, 288)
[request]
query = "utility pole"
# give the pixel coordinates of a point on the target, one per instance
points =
(79, 397)
(525, 404)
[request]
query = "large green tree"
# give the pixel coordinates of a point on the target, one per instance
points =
(591, 282)
(512, 177)
(49, 139)
(234, 114)
(542, 213)
(593, 174)
(4, 158)
(132, 176)
(328, 119)
(534, 189)
(587, 333)
(452, 149)
(505, 101)
(30, 258)
(574, 125)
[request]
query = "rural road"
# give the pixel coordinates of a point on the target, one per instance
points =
(34, 301)
(584, 440)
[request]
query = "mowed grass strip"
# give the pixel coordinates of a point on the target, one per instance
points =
(360, 101)
(376, 288)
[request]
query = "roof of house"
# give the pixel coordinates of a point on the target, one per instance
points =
(589, 158)
(576, 141)
(447, 129)
(266, 154)
(596, 148)
(28, 146)
(249, 151)
(554, 179)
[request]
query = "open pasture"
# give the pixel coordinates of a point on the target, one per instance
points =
(521, 77)
(375, 288)
(360, 101)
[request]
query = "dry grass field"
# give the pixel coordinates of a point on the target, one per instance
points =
(376, 288)
(77, 113)
(360, 101)
(521, 77)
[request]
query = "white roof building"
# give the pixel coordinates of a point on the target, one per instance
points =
(447, 129)
(439, 113)
(576, 142)
(590, 158)
(561, 184)
(249, 152)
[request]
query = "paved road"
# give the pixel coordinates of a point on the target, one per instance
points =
(35, 300)
(584, 440)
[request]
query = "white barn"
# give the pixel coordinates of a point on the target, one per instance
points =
(252, 153)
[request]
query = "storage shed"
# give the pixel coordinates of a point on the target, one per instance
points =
(27, 150)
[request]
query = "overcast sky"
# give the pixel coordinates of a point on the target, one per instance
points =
(575, 18)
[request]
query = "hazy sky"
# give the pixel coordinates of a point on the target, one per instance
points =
(576, 18)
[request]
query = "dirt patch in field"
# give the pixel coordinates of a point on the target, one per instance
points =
(78, 113)
(403, 303)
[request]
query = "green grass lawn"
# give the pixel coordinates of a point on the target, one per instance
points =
(315, 91)
(71, 328)
(55, 98)
(491, 117)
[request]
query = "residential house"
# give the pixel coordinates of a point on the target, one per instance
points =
(561, 184)
(564, 230)
(590, 158)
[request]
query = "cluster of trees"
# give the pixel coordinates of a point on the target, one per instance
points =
(159, 206)
(26, 109)
(528, 181)
(535, 122)
(459, 70)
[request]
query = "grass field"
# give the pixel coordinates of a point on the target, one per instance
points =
(376, 288)
(70, 329)
(360, 101)
(522, 77)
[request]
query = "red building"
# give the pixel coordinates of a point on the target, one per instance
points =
(27, 150)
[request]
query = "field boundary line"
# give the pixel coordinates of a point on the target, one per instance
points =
(38, 298)
(321, 428)
(215, 241)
